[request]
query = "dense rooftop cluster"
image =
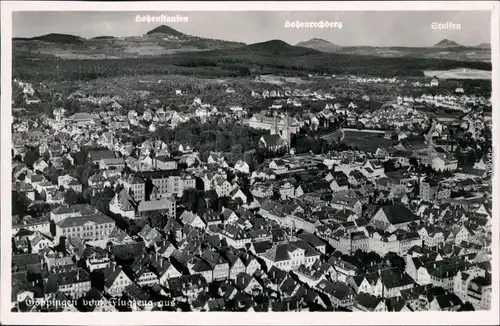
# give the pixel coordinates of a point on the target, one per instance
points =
(116, 224)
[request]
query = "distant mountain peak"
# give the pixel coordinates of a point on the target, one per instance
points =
(271, 45)
(446, 43)
(58, 38)
(164, 29)
(278, 47)
(315, 40)
(484, 46)
(319, 44)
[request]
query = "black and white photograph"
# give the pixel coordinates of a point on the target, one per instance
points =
(254, 160)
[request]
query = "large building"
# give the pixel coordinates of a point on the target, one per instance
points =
(169, 183)
(274, 124)
(89, 227)
(430, 191)
(136, 186)
(80, 119)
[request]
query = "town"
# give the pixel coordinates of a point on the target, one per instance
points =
(170, 172)
(311, 210)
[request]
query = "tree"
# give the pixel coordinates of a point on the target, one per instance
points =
(46, 156)
(389, 166)
(244, 71)
(31, 156)
(190, 198)
(414, 162)
(71, 197)
(20, 204)
(394, 260)
(157, 220)
(102, 198)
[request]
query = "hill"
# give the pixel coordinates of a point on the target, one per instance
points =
(483, 46)
(58, 38)
(163, 29)
(103, 38)
(445, 43)
(161, 40)
(275, 47)
(319, 44)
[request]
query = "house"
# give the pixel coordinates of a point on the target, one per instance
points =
(313, 241)
(62, 212)
(339, 293)
(272, 142)
(198, 266)
(40, 241)
(367, 302)
(123, 204)
(96, 258)
(236, 265)
(117, 163)
(285, 256)
(135, 186)
(222, 186)
(96, 156)
(40, 165)
(74, 283)
(445, 302)
(163, 162)
(373, 169)
(68, 182)
(444, 163)
(238, 193)
(189, 218)
(242, 167)
(166, 271)
(394, 216)
(219, 265)
(89, 227)
(474, 286)
(216, 158)
(115, 280)
(248, 284)
(81, 119)
(286, 190)
(235, 236)
(392, 282)
(166, 206)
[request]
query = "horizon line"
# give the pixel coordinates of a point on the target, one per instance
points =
(312, 38)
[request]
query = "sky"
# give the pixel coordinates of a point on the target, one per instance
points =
(360, 28)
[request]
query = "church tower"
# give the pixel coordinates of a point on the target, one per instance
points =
(274, 127)
(285, 134)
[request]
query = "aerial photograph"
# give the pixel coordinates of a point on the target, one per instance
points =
(251, 161)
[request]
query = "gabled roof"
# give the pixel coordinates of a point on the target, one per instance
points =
(367, 300)
(398, 213)
(393, 278)
(273, 140)
(81, 220)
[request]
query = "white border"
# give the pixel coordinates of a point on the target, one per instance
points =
(227, 318)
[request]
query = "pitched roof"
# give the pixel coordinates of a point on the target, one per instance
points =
(154, 205)
(273, 140)
(393, 277)
(82, 220)
(367, 300)
(398, 213)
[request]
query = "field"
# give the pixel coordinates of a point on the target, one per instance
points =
(459, 74)
(363, 140)
(279, 80)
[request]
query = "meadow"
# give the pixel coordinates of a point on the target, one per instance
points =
(363, 140)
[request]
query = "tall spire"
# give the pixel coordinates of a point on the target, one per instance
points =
(285, 135)
(274, 128)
